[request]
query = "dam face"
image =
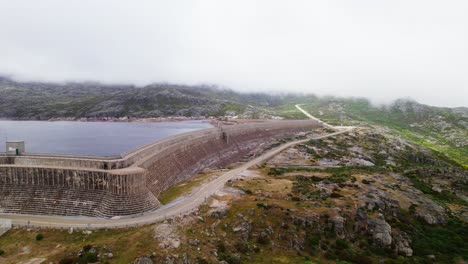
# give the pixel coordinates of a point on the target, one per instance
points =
(131, 183)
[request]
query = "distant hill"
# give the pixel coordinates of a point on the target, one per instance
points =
(42, 101)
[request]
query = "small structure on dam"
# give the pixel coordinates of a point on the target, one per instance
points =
(15, 148)
(131, 183)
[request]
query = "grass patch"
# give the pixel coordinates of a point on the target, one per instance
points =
(126, 244)
(338, 173)
(183, 188)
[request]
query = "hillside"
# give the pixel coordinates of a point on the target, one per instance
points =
(42, 101)
(364, 197)
(442, 129)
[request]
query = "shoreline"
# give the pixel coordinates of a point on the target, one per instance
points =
(116, 119)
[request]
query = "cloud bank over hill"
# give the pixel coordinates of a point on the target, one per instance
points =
(381, 50)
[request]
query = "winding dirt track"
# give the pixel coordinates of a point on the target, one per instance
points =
(298, 106)
(178, 207)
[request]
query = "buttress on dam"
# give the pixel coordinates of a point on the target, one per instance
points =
(131, 183)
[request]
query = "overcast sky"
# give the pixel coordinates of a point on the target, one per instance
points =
(377, 49)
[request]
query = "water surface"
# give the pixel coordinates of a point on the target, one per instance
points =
(90, 138)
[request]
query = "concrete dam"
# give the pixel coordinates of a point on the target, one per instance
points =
(128, 184)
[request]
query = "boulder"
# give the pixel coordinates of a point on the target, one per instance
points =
(360, 225)
(194, 242)
(402, 245)
(219, 213)
(432, 218)
(337, 224)
(380, 231)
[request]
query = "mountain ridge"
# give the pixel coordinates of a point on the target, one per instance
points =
(94, 99)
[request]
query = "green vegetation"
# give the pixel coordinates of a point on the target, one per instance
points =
(440, 129)
(183, 188)
(440, 146)
(340, 177)
(366, 181)
(338, 172)
(88, 257)
(39, 237)
(126, 244)
(444, 196)
(447, 242)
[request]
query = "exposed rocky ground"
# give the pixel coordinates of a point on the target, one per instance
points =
(362, 197)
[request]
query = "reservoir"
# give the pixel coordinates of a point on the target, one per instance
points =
(90, 138)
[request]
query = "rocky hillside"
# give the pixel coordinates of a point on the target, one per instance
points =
(364, 197)
(442, 129)
(42, 101)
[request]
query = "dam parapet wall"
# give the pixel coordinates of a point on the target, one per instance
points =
(131, 183)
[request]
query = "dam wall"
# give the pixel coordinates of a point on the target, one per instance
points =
(69, 191)
(128, 184)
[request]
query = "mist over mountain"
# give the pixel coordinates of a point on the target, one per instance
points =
(42, 101)
(378, 50)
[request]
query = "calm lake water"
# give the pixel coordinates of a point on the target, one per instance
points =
(90, 138)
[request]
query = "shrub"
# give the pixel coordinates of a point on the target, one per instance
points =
(276, 171)
(315, 178)
(340, 177)
(221, 247)
(335, 195)
(70, 260)
(295, 198)
(89, 257)
(39, 237)
(2, 252)
(230, 258)
(263, 205)
(242, 247)
(263, 239)
(366, 181)
(312, 241)
(362, 259)
(87, 248)
(341, 244)
(199, 260)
